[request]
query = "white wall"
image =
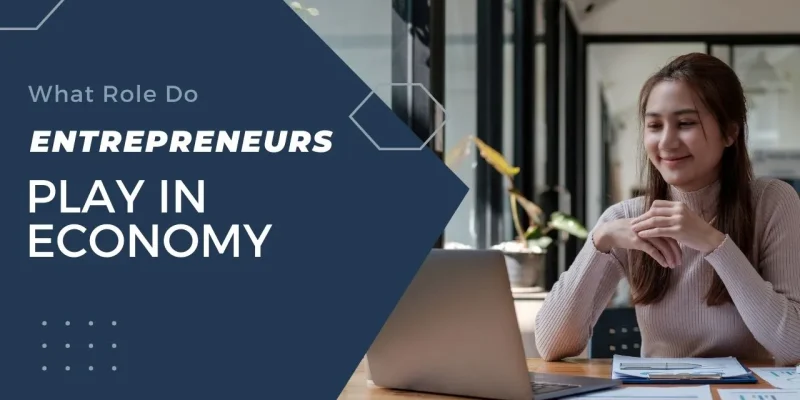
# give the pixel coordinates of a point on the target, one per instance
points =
(693, 16)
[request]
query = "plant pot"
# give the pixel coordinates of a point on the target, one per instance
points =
(525, 268)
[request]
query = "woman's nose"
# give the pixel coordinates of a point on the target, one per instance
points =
(669, 138)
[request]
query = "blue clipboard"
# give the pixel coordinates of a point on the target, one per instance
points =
(695, 379)
(666, 378)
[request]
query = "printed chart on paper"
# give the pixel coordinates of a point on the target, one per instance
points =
(758, 394)
(781, 378)
(650, 393)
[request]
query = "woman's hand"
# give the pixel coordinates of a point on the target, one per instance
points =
(674, 220)
(619, 234)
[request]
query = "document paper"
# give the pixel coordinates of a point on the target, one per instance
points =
(758, 394)
(637, 367)
(781, 378)
(650, 393)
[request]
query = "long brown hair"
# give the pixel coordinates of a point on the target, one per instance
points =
(720, 90)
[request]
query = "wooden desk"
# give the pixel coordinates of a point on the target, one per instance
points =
(358, 388)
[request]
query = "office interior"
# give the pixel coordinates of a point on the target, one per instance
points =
(553, 85)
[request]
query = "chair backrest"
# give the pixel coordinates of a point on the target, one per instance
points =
(616, 332)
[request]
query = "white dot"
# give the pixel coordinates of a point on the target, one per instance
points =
(67, 323)
(91, 323)
(44, 368)
(91, 346)
(113, 345)
(67, 368)
(114, 368)
(91, 368)
(114, 323)
(44, 323)
(44, 345)
(67, 345)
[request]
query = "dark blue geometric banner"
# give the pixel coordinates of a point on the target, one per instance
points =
(188, 211)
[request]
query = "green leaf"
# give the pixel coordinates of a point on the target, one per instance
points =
(495, 159)
(534, 211)
(533, 232)
(542, 242)
(566, 223)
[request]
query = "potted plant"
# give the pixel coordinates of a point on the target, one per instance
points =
(525, 253)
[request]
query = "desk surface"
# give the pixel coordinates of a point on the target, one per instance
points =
(358, 388)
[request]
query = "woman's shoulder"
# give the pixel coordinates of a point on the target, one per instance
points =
(776, 207)
(628, 208)
(769, 193)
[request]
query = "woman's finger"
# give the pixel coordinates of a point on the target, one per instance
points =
(663, 246)
(666, 232)
(676, 249)
(652, 213)
(648, 248)
(653, 222)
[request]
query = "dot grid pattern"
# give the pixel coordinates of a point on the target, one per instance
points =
(90, 346)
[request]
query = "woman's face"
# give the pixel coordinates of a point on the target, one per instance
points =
(681, 137)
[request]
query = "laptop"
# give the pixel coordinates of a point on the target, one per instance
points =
(455, 332)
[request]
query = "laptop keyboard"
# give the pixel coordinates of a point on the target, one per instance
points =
(542, 388)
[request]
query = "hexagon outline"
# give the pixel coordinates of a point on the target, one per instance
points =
(35, 28)
(379, 147)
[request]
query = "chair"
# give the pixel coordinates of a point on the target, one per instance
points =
(616, 332)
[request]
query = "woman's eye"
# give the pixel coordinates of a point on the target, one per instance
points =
(687, 123)
(654, 126)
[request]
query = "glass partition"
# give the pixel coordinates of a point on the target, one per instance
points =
(771, 79)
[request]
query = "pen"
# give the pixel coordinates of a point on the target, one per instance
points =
(690, 376)
(657, 366)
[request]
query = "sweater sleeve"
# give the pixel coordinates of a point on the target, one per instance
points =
(564, 324)
(769, 302)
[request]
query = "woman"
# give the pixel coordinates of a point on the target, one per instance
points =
(712, 255)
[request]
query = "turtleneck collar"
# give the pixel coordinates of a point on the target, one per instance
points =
(702, 201)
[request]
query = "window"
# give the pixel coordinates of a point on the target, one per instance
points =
(461, 101)
(770, 76)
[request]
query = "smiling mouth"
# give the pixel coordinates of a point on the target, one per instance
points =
(674, 159)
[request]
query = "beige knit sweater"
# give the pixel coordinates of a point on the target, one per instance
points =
(762, 323)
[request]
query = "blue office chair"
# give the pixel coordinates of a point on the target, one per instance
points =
(616, 332)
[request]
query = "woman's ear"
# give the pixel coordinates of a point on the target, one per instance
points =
(733, 134)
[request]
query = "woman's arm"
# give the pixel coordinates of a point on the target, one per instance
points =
(768, 303)
(564, 324)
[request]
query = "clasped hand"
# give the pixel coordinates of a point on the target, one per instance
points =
(674, 223)
(660, 232)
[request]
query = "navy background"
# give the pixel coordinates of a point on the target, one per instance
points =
(351, 226)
